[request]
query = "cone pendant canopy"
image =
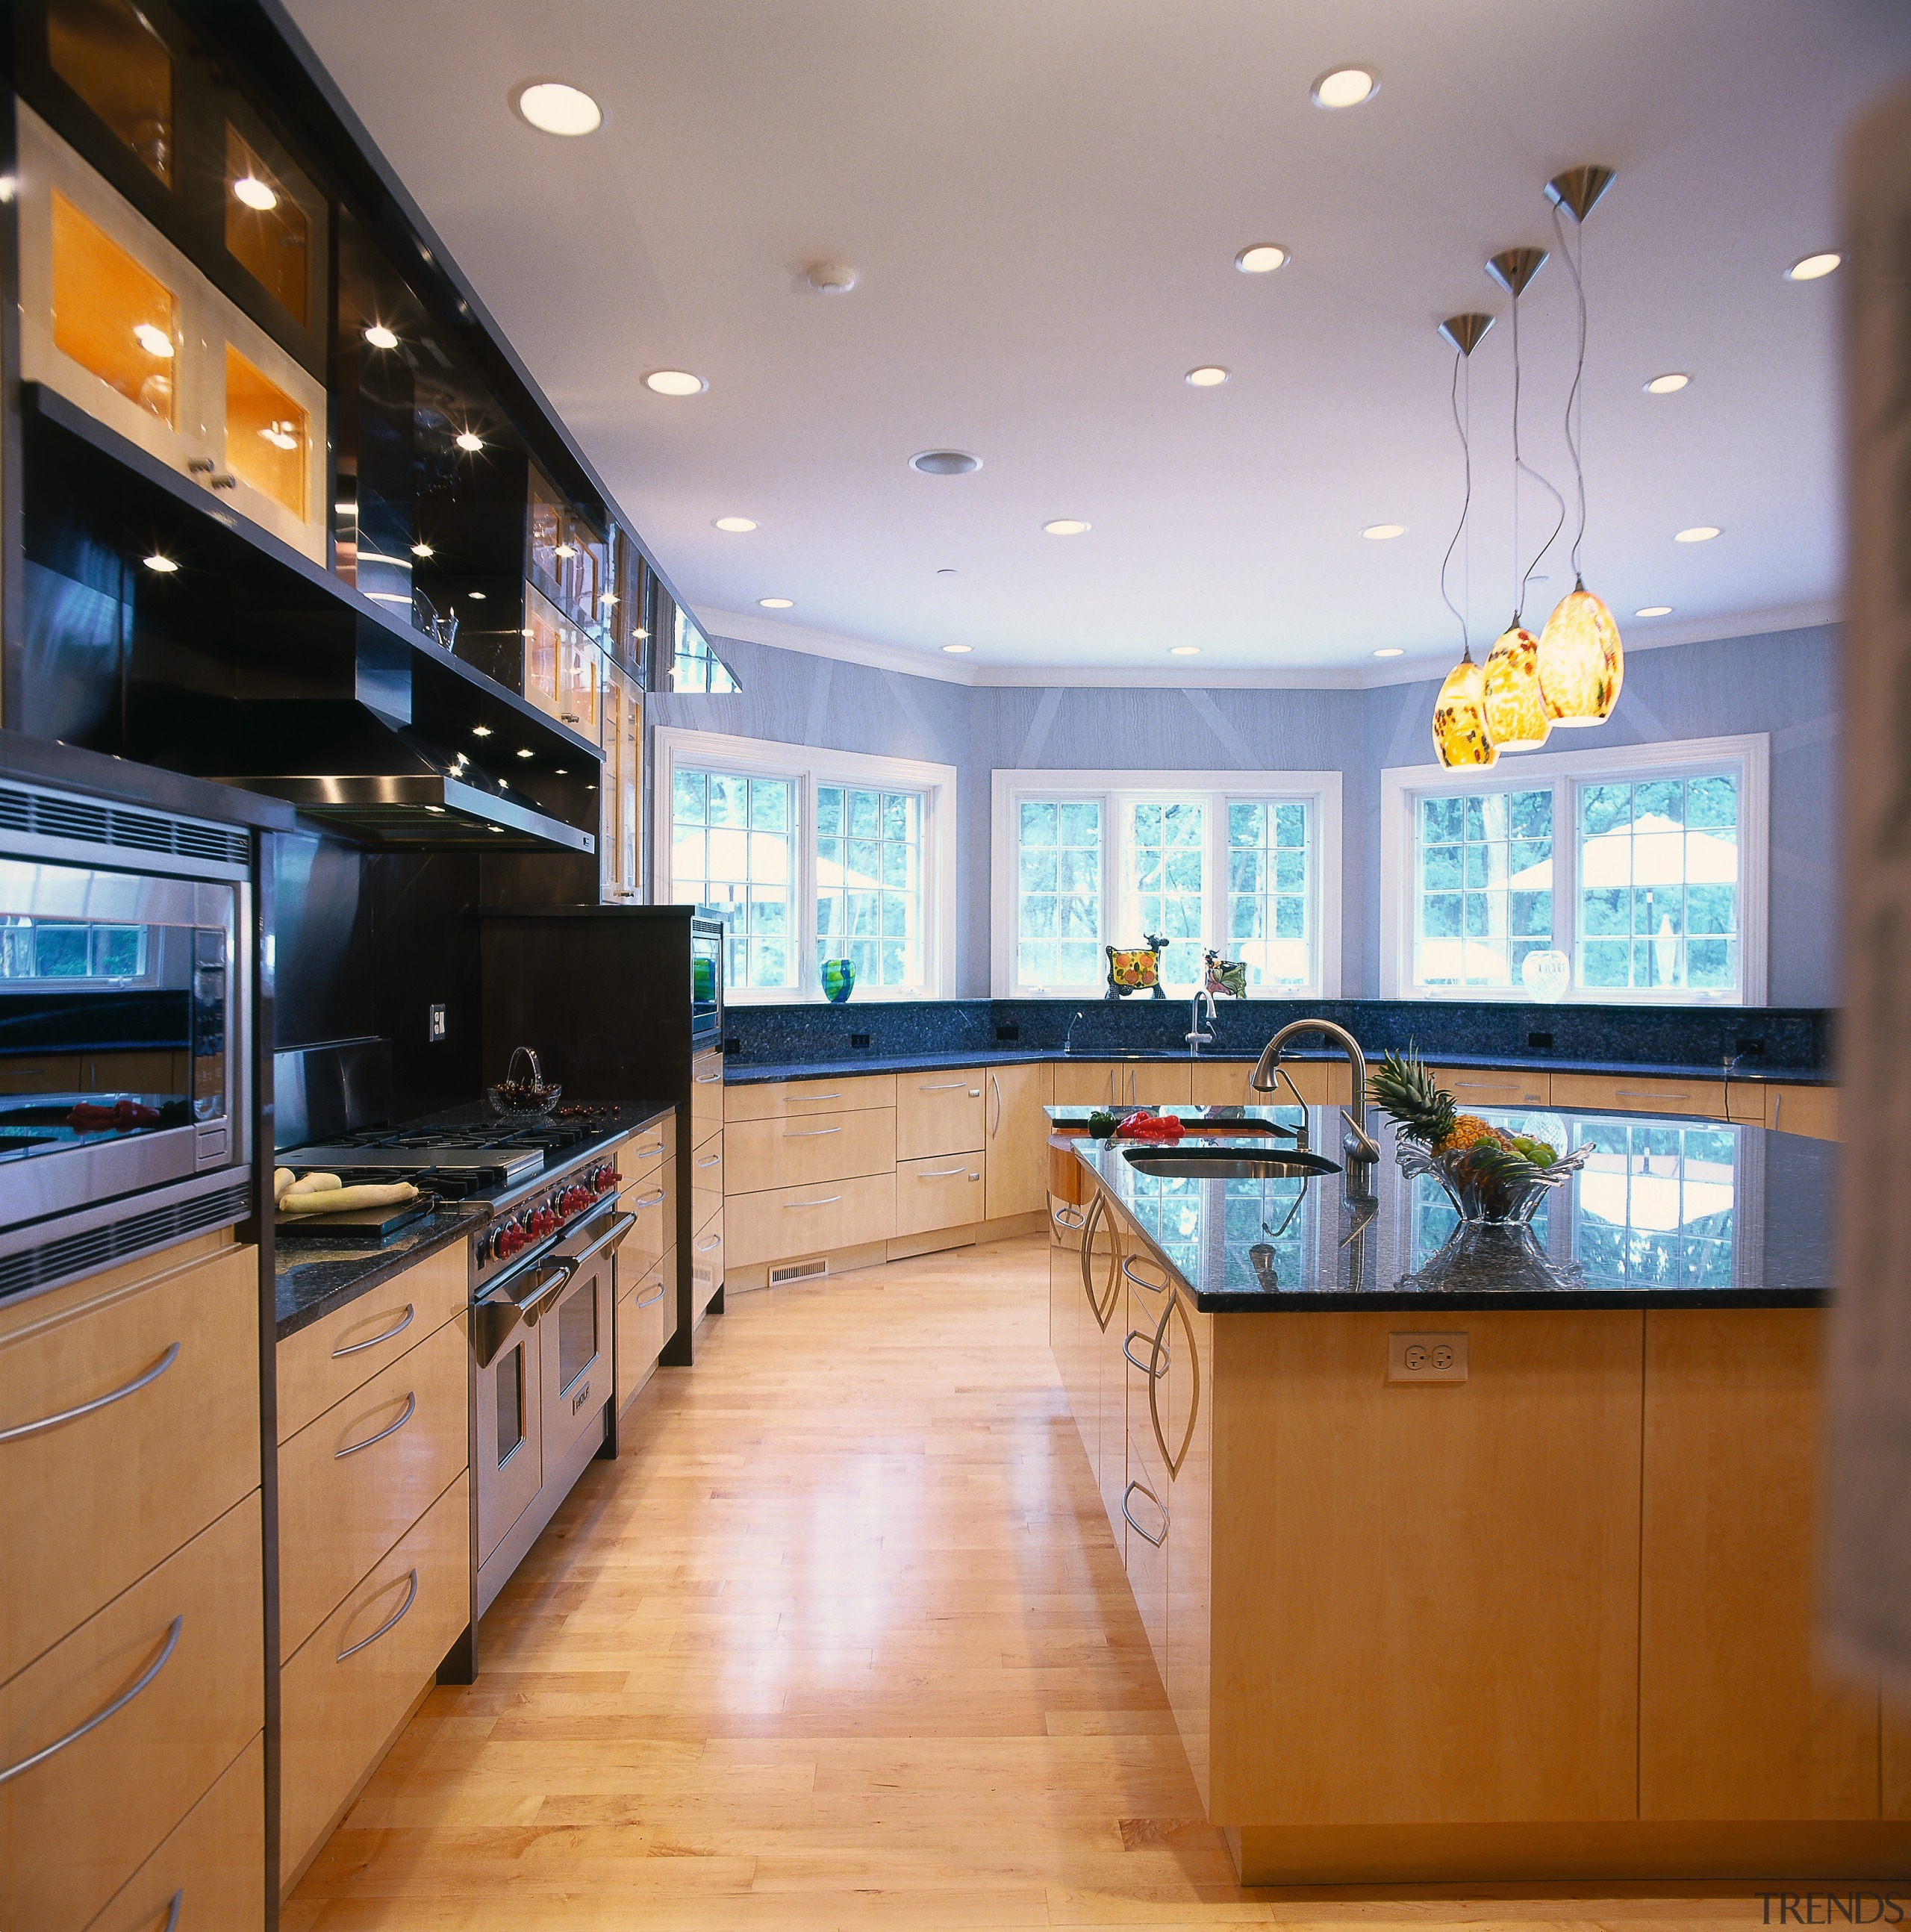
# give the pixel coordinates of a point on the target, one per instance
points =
(1582, 663)
(1460, 735)
(1516, 718)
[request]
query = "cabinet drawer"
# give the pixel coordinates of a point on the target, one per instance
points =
(88, 1505)
(938, 1113)
(706, 1094)
(79, 1824)
(785, 1221)
(643, 1154)
(652, 1201)
(351, 1483)
(322, 1364)
(772, 1099)
(1493, 1087)
(1630, 1093)
(939, 1192)
(706, 1181)
(1801, 1110)
(803, 1151)
(345, 1694)
(706, 1263)
(646, 1314)
(215, 1859)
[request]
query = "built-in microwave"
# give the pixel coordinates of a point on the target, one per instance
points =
(706, 979)
(124, 998)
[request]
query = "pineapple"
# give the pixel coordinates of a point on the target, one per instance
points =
(1404, 1089)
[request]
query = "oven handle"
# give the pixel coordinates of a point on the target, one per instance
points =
(611, 1238)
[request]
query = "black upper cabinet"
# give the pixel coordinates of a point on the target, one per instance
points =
(143, 100)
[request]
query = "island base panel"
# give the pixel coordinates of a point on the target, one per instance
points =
(1656, 1849)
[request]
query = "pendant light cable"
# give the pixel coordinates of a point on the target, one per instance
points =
(1575, 401)
(1519, 464)
(1463, 427)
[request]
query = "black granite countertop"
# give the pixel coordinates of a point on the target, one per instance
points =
(745, 1073)
(1667, 1213)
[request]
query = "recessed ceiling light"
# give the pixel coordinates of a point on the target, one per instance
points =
(957, 650)
(423, 550)
(281, 435)
(640, 633)
(555, 107)
(1067, 526)
(1668, 385)
(675, 382)
(1209, 375)
(255, 193)
(1698, 533)
(476, 596)
(562, 771)
(565, 549)
(481, 730)
(1653, 611)
(1392, 651)
(1262, 258)
(1184, 650)
(1384, 532)
(609, 598)
(468, 440)
(1812, 267)
(777, 603)
(527, 753)
(830, 278)
(153, 340)
(437, 810)
(162, 563)
(945, 462)
(379, 337)
(736, 525)
(1345, 87)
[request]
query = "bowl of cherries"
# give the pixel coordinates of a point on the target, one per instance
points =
(524, 1096)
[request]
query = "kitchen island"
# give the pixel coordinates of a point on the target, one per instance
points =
(1471, 1556)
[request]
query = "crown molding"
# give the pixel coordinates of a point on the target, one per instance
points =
(1419, 668)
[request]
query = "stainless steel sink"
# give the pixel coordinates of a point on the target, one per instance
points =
(1228, 1163)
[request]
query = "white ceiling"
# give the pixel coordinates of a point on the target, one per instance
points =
(1042, 200)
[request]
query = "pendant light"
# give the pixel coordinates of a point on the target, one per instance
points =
(1461, 739)
(1582, 661)
(1516, 710)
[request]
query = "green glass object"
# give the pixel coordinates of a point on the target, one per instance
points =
(838, 979)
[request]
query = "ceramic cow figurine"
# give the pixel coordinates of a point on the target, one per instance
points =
(1135, 969)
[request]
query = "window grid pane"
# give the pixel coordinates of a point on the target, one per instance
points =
(1482, 898)
(732, 845)
(869, 883)
(1658, 884)
(1164, 869)
(1269, 926)
(1058, 897)
(1656, 1207)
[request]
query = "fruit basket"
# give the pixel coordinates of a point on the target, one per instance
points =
(523, 1097)
(1492, 1177)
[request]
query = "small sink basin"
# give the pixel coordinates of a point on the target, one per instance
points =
(1227, 1163)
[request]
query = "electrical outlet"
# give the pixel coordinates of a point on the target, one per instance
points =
(1427, 1358)
(435, 1026)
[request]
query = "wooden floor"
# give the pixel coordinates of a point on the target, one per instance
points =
(842, 1641)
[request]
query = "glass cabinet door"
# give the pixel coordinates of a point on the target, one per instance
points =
(108, 53)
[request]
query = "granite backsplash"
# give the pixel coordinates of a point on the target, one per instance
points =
(1795, 1039)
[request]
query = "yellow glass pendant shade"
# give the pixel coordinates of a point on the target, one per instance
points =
(1582, 663)
(1460, 735)
(1516, 718)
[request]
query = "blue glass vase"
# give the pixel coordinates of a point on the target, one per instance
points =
(838, 980)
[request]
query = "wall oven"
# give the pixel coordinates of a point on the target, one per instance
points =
(124, 1005)
(706, 942)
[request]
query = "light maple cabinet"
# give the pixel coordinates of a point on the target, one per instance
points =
(938, 1112)
(1015, 1135)
(1630, 1093)
(1225, 1083)
(1495, 1086)
(1122, 1083)
(1812, 1111)
(938, 1191)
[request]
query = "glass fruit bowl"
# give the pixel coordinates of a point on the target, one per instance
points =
(524, 1096)
(1491, 1185)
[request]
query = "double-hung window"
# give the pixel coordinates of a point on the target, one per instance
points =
(1243, 864)
(813, 855)
(1634, 873)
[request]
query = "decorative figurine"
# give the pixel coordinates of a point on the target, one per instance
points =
(838, 979)
(1132, 969)
(1225, 976)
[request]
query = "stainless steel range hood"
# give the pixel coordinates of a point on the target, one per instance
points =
(342, 761)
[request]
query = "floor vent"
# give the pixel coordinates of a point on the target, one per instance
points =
(799, 1271)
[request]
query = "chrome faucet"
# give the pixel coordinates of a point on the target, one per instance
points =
(1196, 1038)
(1359, 1145)
(1068, 1038)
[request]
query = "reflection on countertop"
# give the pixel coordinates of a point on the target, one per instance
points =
(312, 1280)
(1666, 1213)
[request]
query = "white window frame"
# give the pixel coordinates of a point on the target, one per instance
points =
(809, 768)
(1402, 788)
(1318, 790)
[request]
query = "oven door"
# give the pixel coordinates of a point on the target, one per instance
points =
(576, 1332)
(507, 1435)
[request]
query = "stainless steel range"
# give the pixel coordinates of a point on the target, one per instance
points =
(542, 1292)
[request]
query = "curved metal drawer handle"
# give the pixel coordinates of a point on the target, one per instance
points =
(655, 1298)
(714, 1159)
(714, 1241)
(946, 1087)
(1068, 1216)
(390, 1622)
(944, 1173)
(650, 1200)
(1157, 1541)
(145, 1380)
(411, 1409)
(645, 1153)
(810, 1133)
(404, 1322)
(709, 1079)
(99, 1717)
(172, 1911)
(1173, 1461)
(1147, 1368)
(829, 1200)
(1152, 1287)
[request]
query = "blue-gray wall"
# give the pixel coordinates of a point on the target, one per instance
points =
(1784, 683)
